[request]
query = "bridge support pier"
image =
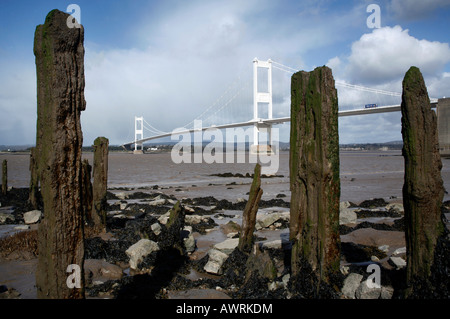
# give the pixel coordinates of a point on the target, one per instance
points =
(257, 148)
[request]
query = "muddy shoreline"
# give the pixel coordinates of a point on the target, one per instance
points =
(374, 237)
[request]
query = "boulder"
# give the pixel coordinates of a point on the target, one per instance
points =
(395, 207)
(387, 292)
(351, 284)
(227, 246)
(398, 262)
(216, 258)
(367, 291)
(195, 219)
(400, 251)
(188, 239)
(6, 218)
(347, 216)
(158, 202)
(274, 244)
(156, 228)
(265, 220)
(139, 250)
(98, 269)
(32, 217)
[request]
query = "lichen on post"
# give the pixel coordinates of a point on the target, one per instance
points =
(314, 173)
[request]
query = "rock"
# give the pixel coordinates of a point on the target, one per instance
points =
(274, 244)
(6, 218)
(22, 227)
(347, 216)
(189, 243)
(216, 258)
(314, 172)
(351, 284)
(344, 205)
(97, 269)
(399, 251)
(398, 262)
(138, 251)
(122, 196)
(9, 293)
(32, 217)
(195, 219)
(188, 239)
(395, 207)
(164, 218)
(227, 246)
(59, 53)
(158, 202)
(384, 248)
(231, 228)
(386, 292)
(265, 220)
(367, 291)
(156, 228)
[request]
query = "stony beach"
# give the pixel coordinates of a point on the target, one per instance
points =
(135, 257)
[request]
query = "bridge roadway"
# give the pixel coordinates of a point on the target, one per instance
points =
(262, 122)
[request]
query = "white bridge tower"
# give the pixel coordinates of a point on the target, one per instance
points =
(262, 98)
(138, 134)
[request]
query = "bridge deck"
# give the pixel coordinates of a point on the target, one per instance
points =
(261, 122)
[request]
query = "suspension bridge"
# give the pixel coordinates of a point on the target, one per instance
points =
(263, 100)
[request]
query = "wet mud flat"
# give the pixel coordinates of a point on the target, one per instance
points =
(201, 261)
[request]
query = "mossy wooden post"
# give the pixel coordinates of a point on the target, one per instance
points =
(423, 189)
(4, 177)
(174, 226)
(86, 190)
(59, 56)
(250, 211)
(314, 172)
(100, 186)
(33, 197)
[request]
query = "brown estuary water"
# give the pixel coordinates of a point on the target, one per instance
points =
(364, 175)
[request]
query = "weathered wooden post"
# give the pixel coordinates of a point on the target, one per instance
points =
(4, 177)
(423, 189)
(100, 180)
(86, 190)
(314, 172)
(250, 211)
(59, 55)
(33, 197)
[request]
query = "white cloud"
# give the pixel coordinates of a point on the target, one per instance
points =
(387, 53)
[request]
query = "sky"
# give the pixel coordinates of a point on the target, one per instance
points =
(170, 60)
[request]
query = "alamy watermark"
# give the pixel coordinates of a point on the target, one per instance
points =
(74, 20)
(190, 149)
(74, 279)
(374, 19)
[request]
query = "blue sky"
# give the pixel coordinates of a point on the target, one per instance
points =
(169, 60)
